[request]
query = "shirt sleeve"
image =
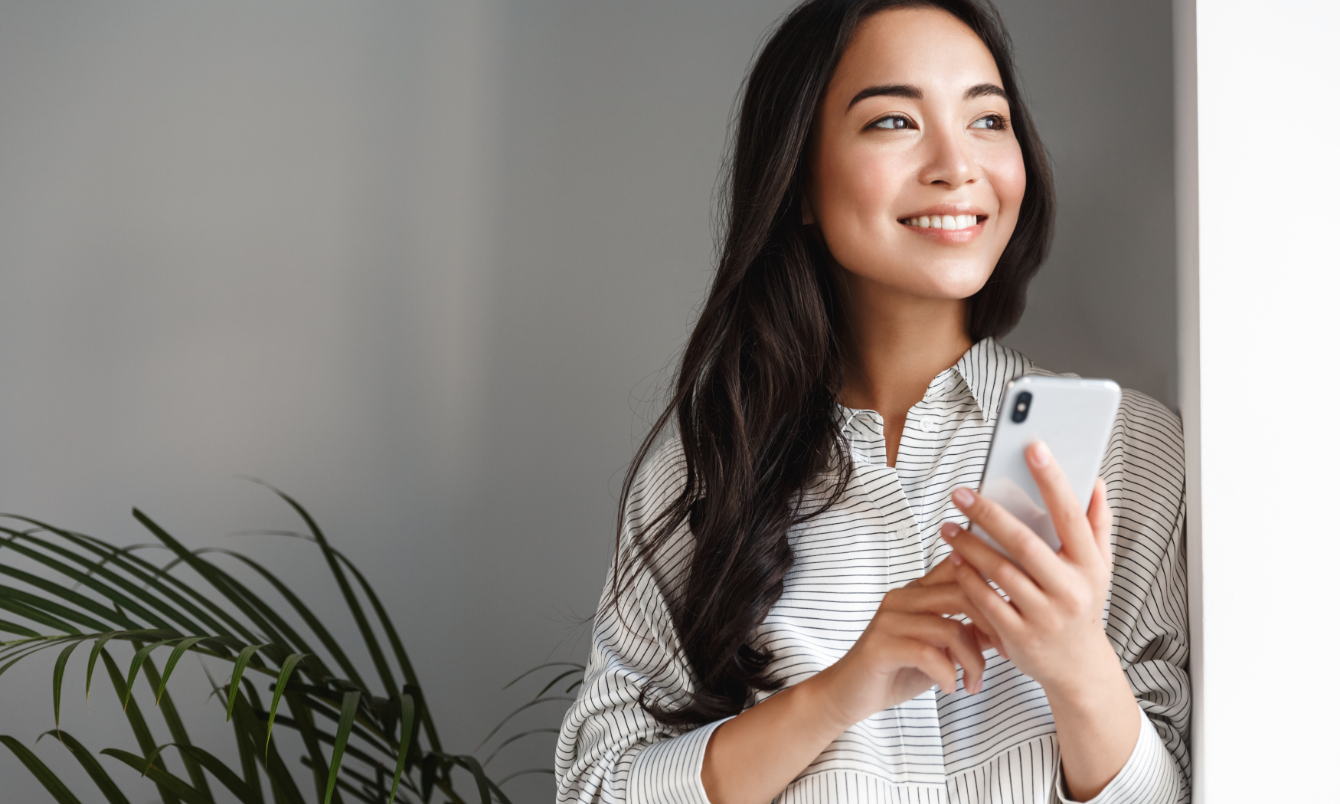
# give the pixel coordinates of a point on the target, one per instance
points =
(1147, 620)
(610, 750)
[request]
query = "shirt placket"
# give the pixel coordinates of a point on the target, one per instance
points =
(918, 719)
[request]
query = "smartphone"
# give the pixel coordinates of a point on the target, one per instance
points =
(1074, 417)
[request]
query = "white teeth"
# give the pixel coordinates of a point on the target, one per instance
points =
(950, 222)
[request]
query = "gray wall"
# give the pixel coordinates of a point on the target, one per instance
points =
(422, 266)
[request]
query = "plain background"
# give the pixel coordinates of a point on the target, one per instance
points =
(1259, 341)
(426, 266)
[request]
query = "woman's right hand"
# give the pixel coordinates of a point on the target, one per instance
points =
(908, 646)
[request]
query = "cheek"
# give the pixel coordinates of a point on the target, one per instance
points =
(855, 198)
(1009, 180)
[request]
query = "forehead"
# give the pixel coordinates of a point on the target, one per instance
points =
(926, 47)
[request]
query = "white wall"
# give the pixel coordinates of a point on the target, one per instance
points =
(1269, 276)
(419, 264)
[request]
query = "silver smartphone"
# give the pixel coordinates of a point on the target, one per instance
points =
(1074, 417)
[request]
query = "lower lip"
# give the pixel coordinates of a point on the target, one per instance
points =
(948, 236)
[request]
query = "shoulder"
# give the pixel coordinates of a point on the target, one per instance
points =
(1145, 465)
(656, 488)
(658, 481)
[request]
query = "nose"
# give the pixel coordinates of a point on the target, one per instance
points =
(948, 160)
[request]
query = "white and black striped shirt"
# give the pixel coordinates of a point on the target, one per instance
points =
(998, 746)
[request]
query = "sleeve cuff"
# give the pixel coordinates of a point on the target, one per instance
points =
(671, 771)
(1150, 776)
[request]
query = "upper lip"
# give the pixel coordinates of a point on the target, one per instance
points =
(945, 209)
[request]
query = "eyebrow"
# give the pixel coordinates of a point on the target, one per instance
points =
(908, 91)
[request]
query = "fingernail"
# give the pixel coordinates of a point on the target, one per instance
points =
(977, 686)
(964, 498)
(949, 530)
(957, 559)
(1040, 455)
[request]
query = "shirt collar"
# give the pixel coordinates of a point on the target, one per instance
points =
(985, 369)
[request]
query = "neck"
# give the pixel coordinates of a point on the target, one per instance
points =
(896, 344)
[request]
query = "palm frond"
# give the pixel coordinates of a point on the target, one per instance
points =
(364, 744)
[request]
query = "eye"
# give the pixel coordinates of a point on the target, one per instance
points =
(991, 122)
(894, 122)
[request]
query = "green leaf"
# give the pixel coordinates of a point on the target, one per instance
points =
(299, 706)
(36, 615)
(251, 606)
(14, 628)
(44, 775)
(167, 593)
(243, 658)
(137, 725)
(246, 753)
(518, 711)
(179, 736)
(348, 709)
(84, 602)
(160, 777)
(284, 672)
(355, 608)
(93, 660)
(136, 661)
(237, 786)
(406, 730)
(557, 679)
(35, 649)
(481, 780)
(177, 652)
(516, 737)
(315, 624)
(94, 770)
(281, 781)
(539, 667)
(392, 636)
(58, 676)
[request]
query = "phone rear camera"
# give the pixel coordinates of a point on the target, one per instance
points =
(1021, 403)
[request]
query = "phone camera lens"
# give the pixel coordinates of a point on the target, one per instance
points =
(1021, 404)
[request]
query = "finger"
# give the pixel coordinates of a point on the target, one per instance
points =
(941, 598)
(949, 635)
(1072, 526)
(1100, 520)
(943, 572)
(944, 599)
(1003, 616)
(1023, 545)
(988, 635)
(928, 659)
(1023, 591)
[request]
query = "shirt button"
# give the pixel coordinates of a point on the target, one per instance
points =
(927, 426)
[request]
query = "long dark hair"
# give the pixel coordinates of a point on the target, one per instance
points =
(756, 391)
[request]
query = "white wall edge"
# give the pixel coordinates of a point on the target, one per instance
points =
(1185, 105)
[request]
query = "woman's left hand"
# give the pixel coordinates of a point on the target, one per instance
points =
(1052, 625)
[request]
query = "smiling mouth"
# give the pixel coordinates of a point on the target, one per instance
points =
(950, 222)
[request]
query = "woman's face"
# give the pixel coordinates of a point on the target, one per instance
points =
(915, 177)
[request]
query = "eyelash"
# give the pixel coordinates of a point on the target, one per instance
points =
(1000, 123)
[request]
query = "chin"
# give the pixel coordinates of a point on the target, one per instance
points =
(948, 283)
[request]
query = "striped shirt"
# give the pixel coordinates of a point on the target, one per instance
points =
(998, 746)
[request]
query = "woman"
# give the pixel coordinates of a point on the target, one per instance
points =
(794, 610)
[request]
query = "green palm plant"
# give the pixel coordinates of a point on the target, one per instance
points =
(381, 740)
